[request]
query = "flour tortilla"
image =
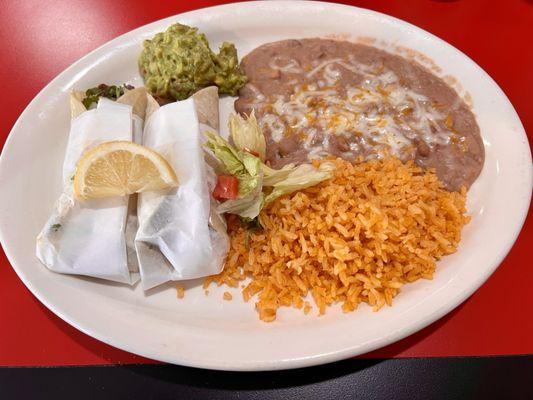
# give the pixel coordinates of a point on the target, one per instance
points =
(180, 234)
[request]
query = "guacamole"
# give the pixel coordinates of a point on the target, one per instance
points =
(178, 62)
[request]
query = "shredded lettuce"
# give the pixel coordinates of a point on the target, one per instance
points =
(247, 207)
(301, 177)
(272, 176)
(225, 153)
(246, 135)
(253, 175)
(244, 166)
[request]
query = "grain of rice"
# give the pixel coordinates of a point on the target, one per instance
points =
(180, 291)
(227, 296)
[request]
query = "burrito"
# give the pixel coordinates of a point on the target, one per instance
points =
(90, 237)
(181, 236)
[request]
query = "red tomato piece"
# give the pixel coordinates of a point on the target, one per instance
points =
(227, 187)
(252, 152)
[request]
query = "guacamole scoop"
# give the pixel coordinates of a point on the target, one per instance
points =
(178, 62)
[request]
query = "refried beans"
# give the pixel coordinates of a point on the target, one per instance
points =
(317, 97)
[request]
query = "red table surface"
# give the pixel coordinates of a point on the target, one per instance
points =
(41, 38)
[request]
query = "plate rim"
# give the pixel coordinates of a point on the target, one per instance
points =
(397, 335)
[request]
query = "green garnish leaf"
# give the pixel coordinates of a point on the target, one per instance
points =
(247, 207)
(253, 175)
(303, 176)
(251, 224)
(244, 166)
(272, 176)
(246, 135)
(112, 92)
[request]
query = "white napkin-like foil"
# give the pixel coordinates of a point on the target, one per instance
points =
(175, 240)
(88, 237)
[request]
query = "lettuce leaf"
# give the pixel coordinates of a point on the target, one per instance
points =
(244, 166)
(246, 135)
(225, 153)
(301, 177)
(272, 176)
(253, 175)
(247, 207)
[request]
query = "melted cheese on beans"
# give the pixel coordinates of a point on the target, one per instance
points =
(383, 114)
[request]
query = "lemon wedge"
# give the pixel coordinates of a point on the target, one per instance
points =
(120, 168)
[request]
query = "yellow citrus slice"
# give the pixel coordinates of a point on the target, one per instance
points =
(120, 168)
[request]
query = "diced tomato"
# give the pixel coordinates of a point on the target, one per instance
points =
(227, 187)
(252, 152)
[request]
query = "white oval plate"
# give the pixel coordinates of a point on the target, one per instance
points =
(206, 331)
